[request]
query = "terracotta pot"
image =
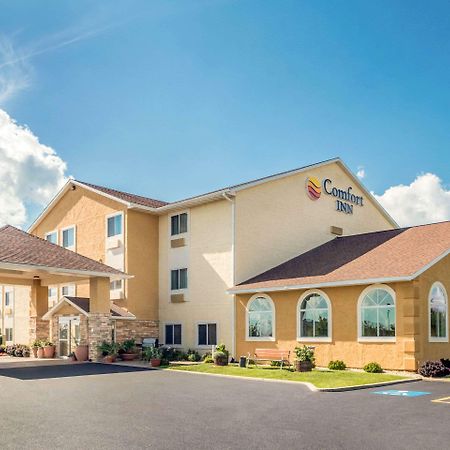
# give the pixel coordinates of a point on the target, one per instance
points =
(128, 356)
(49, 351)
(303, 366)
(82, 352)
(155, 362)
(109, 358)
(40, 352)
(35, 351)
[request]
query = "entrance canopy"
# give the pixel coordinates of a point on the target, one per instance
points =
(25, 258)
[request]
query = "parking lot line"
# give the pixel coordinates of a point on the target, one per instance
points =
(442, 400)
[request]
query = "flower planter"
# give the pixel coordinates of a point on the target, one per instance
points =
(303, 366)
(155, 362)
(82, 352)
(49, 351)
(109, 359)
(40, 352)
(128, 356)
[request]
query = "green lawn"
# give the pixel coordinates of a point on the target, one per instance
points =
(319, 378)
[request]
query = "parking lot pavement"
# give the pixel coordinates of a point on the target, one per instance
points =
(111, 407)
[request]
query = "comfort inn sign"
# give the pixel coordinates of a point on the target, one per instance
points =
(345, 199)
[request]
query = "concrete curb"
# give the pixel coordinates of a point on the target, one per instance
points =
(310, 386)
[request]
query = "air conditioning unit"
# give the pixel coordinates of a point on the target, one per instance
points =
(113, 242)
(116, 294)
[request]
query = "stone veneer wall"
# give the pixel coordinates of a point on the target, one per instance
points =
(99, 330)
(39, 329)
(136, 329)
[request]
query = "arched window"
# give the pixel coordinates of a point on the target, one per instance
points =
(377, 313)
(314, 317)
(260, 318)
(438, 313)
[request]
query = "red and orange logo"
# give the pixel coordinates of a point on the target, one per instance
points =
(313, 188)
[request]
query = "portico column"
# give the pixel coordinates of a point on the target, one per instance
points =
(99, 322)
(39, 329)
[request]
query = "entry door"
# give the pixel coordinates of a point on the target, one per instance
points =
(69, 334)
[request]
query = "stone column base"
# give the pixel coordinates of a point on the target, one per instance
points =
(39, 329)
(99, 330)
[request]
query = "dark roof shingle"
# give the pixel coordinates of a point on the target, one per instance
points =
(377, 255)
(20, 247)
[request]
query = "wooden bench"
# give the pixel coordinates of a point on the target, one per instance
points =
(269, 354)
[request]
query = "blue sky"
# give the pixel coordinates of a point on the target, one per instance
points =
(175, 98)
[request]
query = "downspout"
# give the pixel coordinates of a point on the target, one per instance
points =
(231, 199)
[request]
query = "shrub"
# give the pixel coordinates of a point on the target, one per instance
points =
(206, 355)
(208, 360)
(2, 349)
(193, 356)
(373, 367)
(18, 350)
(337, 365)
(433, 369)
(305, 353)
(108, 348)
(446, 362)
(128, 346)
(220, 358)
(151, 353)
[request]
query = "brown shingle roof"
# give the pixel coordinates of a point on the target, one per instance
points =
(399, 253)
(20, 247)
(131, 198)
(84, 303)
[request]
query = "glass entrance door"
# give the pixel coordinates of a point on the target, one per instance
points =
(68, 335)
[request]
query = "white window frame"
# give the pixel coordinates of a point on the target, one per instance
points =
(69, 286)
(379, 339)
(328, 338)
(206, 322)
(12, 334)
(181, 290)
(434, 338)
(173, 334)
(179, 235)
(9, 290)
(73, 249)
(109, 216)
(115, 289)
(53, 232)
(274, 321)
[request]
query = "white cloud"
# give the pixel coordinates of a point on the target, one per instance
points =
(30, 172)
(425, 200)
(361, 173)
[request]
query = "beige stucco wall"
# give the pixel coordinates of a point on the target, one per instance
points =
(431, 350)
(21, 314)
(277, 221)
(210, 273)
(399, 355)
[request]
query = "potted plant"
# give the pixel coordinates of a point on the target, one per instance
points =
(40, 351)
(152, 354)
(108, 351)
(127, 350)
(49, 349)
(35, 347)
(221, 355)
(81, 351)
(305, 358)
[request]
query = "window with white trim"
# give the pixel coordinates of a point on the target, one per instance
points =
(52, 237)
(68, 290)
(207, 334)
(438, 313)
(115, 285)
(9, 334)
(178, 224)
(173, 334)
(314, 316)
(9, 298)
(260, 318)
(377, 314)
(68, 238)
(114, 225)
(178, 279)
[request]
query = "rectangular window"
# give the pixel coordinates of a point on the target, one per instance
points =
(207, 334)
(8, 298)
(52, 237)
(178, 224)
(52, 292)
(68, 290)
(65, 290)
(178, 279)
(9, 334)
(68, 238)
(115, 285)
(115, 225)
(173, 334)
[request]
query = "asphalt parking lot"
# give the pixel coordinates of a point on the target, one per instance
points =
(100, 406)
